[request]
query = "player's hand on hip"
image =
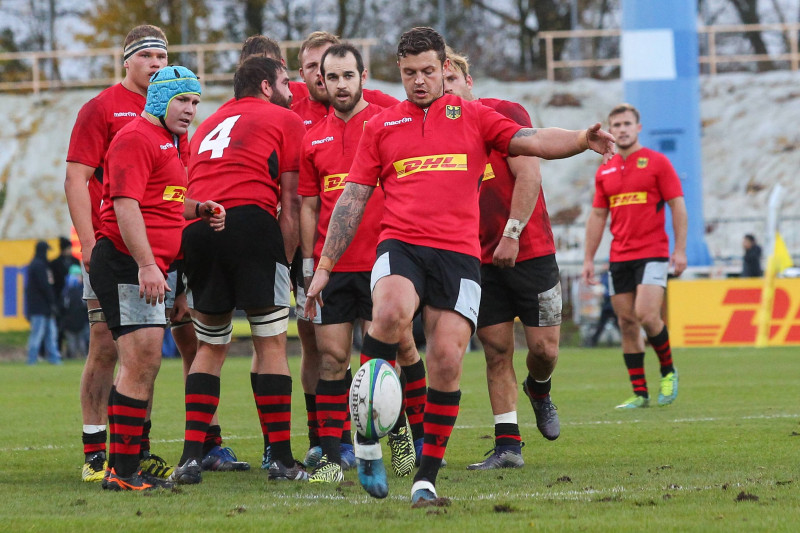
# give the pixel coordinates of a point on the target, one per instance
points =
(314, 293)
(601, 142)
(152, 284)
(505, 255)
(678, 262)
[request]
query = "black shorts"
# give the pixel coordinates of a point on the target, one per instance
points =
(626, 275)
(174, 282)
(243, 267)
(531, 290)
(442, 279)
(347, 297)
(115, 279)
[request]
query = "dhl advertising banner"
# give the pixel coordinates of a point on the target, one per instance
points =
(14, 259)
(726, 312)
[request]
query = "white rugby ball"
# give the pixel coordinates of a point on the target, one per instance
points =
(376, 398)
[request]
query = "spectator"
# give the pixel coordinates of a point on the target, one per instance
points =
(751, 267)
(74, 320)
(607, 313)
(60, 268)
(40, 304)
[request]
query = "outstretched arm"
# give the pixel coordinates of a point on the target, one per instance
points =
(557, 143)
(342, 228)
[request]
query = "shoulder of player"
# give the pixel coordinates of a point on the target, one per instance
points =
(379, 97)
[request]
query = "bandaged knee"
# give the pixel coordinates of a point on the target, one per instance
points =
(269, 324)
(213, 334)
(96, 315)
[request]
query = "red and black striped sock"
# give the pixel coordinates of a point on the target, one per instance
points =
(275, 403)
(111, 427)
(635, 364)
(415, 391)
(202, 399)
(311, 419)
(331, 412)
(401, 418)
(94, 442)
(441, 410)
(506, 435)
(261, 421)
(347, 437)
(213, 439)
(660, 344)
(372, 348)
(148, 425)
(126, 436)
(538, 390)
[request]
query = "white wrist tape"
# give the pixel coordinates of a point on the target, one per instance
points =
(308, 267)
(513, 229)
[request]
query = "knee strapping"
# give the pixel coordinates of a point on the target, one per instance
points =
(96, 315)
(269, 324)
(213, 334)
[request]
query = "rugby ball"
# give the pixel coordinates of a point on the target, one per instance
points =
(376, 399)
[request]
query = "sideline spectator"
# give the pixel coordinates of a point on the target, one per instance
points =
(751, 266)
(40, 305)
(74, 319)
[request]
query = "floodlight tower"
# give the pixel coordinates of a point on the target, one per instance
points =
(660, 74)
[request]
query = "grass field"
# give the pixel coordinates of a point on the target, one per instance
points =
(724, 457)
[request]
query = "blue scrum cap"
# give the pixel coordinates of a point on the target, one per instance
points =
(165, 85)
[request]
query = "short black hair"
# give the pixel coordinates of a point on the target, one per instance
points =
(248, 77)
(421, 39)
(750, 237)
(341, 50)
(260, 45)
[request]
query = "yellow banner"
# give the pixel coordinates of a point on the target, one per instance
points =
(14, 259)
(725, 312)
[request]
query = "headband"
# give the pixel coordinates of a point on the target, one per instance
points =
(142, 44)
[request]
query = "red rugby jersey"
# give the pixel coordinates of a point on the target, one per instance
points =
(238, 154)
(430, 164)
(98, 122)
(635, 190)
(312, 111)
(143, 164)
(536, 239)
(328, 151)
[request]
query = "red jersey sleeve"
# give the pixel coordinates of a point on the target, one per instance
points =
(308, 184)
(496, 129)
(380, 98)
(293, 131)
(130, 162)
(669, 184)
(366, 168)
(515, 112)
(87, 144)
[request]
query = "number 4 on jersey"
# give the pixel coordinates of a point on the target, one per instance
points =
(219, 138)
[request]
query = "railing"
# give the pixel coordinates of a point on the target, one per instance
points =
(196, 55)
(712, 58)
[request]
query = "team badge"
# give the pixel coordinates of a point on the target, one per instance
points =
(642, 162)
(452, 112)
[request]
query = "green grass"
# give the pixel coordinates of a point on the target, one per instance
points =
(731, 435)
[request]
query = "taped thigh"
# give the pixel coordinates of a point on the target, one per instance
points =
(96, 315)
(269, 324)
(213, 334)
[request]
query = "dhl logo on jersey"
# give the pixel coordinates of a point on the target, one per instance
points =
(642, 162)
(174, 193)
(488, 173)
(333, 182)
(629, 198)
(406, 167)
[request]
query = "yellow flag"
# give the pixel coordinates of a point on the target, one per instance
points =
(783, 259)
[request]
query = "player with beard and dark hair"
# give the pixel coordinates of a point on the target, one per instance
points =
(429, 148)
(328, 151)
(246, 155)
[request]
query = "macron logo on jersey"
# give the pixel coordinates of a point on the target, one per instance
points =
(629, 198)
(608, 171)
(397, 122)
(307, 122)
(333, 182)
(125, 114)
(488, 173)
(327, 139)
(174, 193)
(406, 167)
(167, 146)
